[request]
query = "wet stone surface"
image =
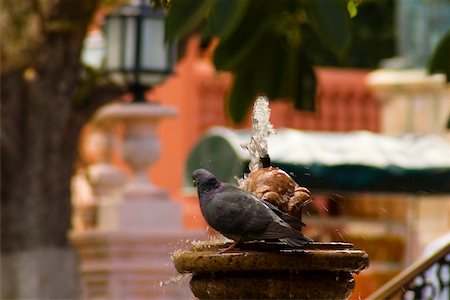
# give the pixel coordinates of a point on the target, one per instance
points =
(272, 285)
(271, 270)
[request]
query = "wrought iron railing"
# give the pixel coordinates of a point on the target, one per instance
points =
(428, 278)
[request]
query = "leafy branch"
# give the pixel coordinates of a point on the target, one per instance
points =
(263, 44)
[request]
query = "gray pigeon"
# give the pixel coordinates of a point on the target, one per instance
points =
(241, 216)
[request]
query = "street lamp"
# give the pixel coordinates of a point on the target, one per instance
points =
(137, 57)
(136, 53)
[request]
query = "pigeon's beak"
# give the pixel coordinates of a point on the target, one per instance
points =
(194, 182)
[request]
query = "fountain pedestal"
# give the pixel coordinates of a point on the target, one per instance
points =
(265, 271)
(143, 206)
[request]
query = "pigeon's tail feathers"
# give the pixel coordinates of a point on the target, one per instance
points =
(297, 242)
(294, 222)
(286, 234)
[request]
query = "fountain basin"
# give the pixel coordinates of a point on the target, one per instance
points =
(272, 271)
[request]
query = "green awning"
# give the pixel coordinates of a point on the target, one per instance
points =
(355, 161)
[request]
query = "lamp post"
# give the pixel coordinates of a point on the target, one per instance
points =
(137, 56)
(127, 253)
(136, 53)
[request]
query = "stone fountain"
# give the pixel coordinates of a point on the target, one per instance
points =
(270, 270)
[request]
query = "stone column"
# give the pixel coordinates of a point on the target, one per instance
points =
(127, 254)
(412, 101)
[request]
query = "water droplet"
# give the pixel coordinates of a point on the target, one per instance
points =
(175, 279)
(340, 235)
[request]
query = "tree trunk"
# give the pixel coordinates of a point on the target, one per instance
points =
(40, 124)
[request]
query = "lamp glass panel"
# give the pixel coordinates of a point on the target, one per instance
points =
(113, 47)
(154, 50)
(130, 43)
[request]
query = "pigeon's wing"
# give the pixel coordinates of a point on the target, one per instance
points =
(256, 220)
(294, 222)
(233, 211)
(279, 230)
(240, 215)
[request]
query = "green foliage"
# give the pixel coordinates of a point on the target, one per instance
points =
(352, 7)
(225, 16)
(372, 38)
(440, 60)
(329, 19)
(184, 16)
(263, 44)
(373, 34)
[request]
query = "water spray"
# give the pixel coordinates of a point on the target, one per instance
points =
(261, 130)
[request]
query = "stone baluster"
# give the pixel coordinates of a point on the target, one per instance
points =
(105, 179)
(100, 182)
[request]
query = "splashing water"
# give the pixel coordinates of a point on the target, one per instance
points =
(261, 130)
(175, 279)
